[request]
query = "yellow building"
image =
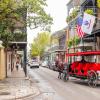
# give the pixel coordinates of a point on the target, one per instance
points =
(2, 62)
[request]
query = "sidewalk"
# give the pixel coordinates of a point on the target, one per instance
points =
(17, 87)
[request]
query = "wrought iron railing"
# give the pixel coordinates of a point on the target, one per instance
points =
(55, 48)
(97, 25)
(90, 7)
(82, 1)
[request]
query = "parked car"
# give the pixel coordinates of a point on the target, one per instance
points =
(44, 63)
(53, 66)
(34, 64)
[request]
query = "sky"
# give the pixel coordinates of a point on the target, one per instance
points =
(58, 10)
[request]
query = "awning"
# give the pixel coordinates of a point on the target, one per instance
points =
(17, 45)
(87, 53)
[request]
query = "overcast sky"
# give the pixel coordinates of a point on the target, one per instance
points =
(58, 10)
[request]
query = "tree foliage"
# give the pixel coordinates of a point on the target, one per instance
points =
(98, 3)
(40, 43)
(12, 11)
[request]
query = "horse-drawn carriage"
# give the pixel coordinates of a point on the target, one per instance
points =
(83, 69)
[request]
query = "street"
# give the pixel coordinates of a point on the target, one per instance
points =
(49, 85)
(61, 34)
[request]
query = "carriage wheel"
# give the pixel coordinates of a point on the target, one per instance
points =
(92, 78)
(65, 76)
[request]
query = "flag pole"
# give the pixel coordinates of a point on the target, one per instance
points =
(93, 1)
(82, 42)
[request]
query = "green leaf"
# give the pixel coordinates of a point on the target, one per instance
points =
(89, 11)
(15, 11)
(40, 43)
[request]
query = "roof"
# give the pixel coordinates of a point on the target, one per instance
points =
(82, 46)
(59, 33)
(69, 2)
(74, 2)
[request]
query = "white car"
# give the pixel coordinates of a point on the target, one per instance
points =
(34, 64)
(44, 64)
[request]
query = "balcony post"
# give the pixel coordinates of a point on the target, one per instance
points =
(93, 1)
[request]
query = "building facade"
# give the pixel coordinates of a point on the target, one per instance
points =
(19, 44)
(59, 50)
(92, 41)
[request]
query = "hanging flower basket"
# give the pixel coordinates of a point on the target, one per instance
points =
(89, 11)
(73, 42)
(98, 3)
(72, 15)
(70, 43)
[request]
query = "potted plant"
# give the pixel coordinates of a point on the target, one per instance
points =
(72, 15)
(75, 13)
(70, 43)
(67, 19)
(89, 11)
(76, 40)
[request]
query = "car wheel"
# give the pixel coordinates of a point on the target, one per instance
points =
(31, 67)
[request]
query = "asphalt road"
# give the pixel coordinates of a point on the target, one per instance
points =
(53, 88)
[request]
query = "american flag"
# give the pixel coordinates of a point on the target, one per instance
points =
(78, 27)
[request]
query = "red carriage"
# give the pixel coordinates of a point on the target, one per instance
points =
(83, 69)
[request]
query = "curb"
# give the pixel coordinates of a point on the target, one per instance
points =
(23, 97)
(33, 94)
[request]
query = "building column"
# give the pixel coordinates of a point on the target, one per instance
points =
(2, 64)
(25, 61)
(9, 63)
(98, 48)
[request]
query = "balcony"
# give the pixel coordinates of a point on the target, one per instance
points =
(57, 48)
(73, 4)
(94, 8)
(73, 21)
(87, 2)
(82, 1)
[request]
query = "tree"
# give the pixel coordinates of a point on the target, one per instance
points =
(12, 11)
(40, 43)
(37, 16)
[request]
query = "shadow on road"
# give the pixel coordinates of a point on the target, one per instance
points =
(84, 83)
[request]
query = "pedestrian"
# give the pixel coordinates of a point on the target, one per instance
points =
(60, 69)
(17, 65)
(21, 63)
